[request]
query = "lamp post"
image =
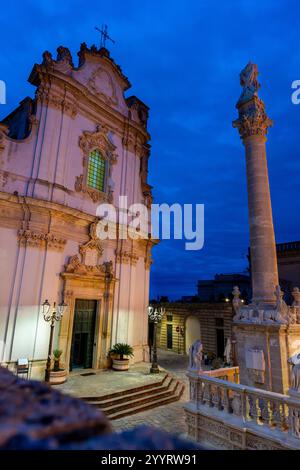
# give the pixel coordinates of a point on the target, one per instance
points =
(155, 315)
(51, 315)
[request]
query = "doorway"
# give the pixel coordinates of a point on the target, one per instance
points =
(192, 332)
(220, 339)
(83, 334)
(169, 336)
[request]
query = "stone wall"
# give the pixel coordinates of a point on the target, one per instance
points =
(206, 313)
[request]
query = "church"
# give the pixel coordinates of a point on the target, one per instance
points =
(78, 143)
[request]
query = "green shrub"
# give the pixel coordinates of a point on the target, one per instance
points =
(121, 350)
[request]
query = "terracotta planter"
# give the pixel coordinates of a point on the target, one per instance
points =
(119, 364)
(58, 377)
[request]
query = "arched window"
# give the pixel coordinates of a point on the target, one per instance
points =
(96, 171)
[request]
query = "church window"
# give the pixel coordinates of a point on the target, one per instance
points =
(96, 171)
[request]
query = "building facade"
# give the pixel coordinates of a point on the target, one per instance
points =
(184, 323)
(220, 288)
(79, 143)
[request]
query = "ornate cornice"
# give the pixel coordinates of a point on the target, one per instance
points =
(36, 239)
(64, 103)
(126, 257)
(3, 135)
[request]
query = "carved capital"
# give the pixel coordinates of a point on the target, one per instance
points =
(148, 261)
(126, 257)
(253, 119)
(36, 239)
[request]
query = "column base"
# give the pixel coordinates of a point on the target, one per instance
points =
(154, 369)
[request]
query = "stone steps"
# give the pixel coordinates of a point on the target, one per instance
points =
(128, 402)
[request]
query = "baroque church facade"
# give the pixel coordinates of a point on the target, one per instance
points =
(79, 143)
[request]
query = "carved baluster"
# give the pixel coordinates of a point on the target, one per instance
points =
(236, 404)
(220, 401)
(266, 412)
(226, 401)
(285, 417)
(217, 397)
(247, 407)
(294, 422)
(200, 393)
(210, 395)
(206, 396)
(278, 415)
(255, 411)
(192, 388)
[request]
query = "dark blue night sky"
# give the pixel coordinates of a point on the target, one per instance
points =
(183, 59)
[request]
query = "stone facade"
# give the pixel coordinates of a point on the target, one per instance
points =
(49, 246)
(191, 321)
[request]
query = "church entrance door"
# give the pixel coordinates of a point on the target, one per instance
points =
(83, 334)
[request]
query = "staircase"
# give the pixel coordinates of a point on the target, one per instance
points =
(128, 402)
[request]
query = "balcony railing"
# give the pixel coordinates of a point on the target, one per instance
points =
(270, 410)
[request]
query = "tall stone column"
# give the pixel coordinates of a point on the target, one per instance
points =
(253, 124)
(267, 331)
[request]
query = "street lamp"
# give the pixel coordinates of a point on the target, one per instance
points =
(155, 315)
(51, 315)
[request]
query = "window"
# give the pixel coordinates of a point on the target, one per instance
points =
(96, 171)
(169, 317)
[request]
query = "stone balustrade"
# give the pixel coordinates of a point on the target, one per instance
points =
(272, 416)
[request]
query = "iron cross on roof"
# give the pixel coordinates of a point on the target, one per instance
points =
(104, 35)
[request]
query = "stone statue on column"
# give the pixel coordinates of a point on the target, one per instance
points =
(265, 324)
(267, 304)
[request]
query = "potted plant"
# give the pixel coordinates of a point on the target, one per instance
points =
(58, 375)
(118, 353)
(56, 354)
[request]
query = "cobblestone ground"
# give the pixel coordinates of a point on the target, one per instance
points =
(171, 417)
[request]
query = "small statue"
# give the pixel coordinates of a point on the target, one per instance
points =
(195, 355)
(236, 303)
(64, 54)
(249, 82)
(227, 351)
(47, 58)
(295, 374)
(281, 311)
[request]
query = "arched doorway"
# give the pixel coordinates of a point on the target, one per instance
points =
(192, 331)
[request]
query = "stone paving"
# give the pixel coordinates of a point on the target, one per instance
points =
(107, 381)
(170, 417)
